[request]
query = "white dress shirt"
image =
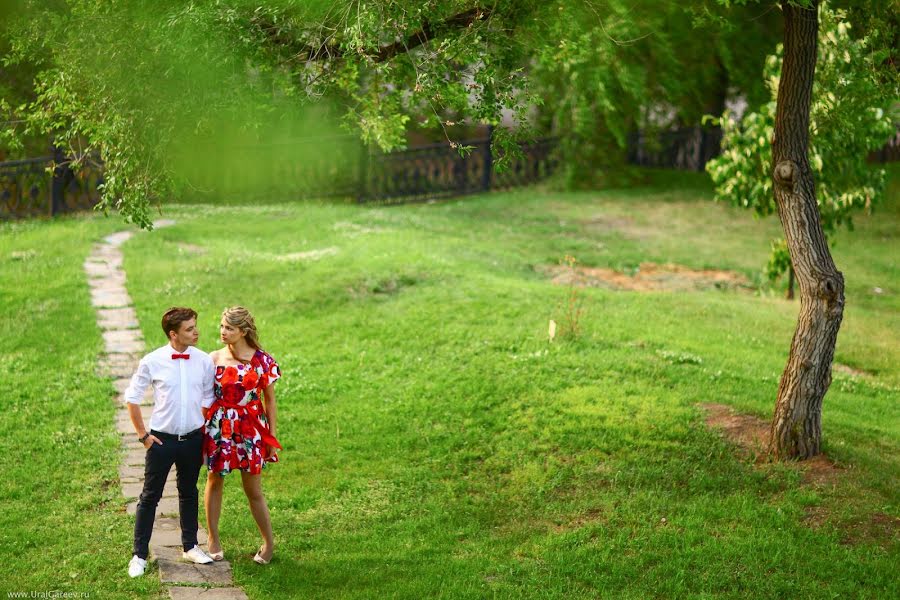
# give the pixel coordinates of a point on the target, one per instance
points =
(180, 388)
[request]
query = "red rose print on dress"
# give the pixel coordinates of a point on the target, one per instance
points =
(232, 393)
(229, 376)
(251, 378)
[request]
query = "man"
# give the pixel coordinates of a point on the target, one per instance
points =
(182, 380)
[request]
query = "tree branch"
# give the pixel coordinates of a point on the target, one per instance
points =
(429, 32)
(326, 51)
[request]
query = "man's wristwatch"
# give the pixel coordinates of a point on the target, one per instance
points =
(144, 439)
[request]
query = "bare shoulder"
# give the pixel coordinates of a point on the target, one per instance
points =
(220, 356)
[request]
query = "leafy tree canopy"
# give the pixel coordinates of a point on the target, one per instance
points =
(157, 88)
(854, 111)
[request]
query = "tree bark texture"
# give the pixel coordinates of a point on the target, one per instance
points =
(797, 424)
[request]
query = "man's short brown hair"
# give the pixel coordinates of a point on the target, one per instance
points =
(175, 316)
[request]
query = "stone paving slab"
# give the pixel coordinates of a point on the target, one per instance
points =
(134, 458)
(109, 299)
(193, 593)
(133, 489)
(125, 416)
(167, 533)
(118, 371)
(133, 346)
(117, 239)
(130, 359)
(124, 426)
(129, 442)
(113, 281)
(114, 336)
(121, 384)
(117, 318)
(171, 552)
(126, 471)
(166, 506)
(171, 571)
(119, 400)
(99, 270)
(106, 256)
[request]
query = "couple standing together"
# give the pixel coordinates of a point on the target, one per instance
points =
(216, 408)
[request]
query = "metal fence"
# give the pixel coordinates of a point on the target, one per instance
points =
(439, 171)
(890, 152)
(46, 186)
(689, 148)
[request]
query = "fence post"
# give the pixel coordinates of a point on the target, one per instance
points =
(488, 161)
(58, 183)
(362, 183)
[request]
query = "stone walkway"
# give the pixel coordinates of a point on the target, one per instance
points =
(124, 347)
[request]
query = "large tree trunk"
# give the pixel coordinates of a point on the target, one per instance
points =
(797, 424)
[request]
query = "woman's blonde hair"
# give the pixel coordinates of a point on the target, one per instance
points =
(240, 317)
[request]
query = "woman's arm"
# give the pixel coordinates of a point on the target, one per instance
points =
(271, 407)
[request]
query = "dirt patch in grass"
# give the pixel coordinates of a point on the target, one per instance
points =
(384, 287)
(819, 470)
(589, 517)
(815, 516)
(848, 370)
(649, 277)
(879, 528)
(750, 435)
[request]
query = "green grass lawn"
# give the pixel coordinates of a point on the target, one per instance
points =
(436, 445)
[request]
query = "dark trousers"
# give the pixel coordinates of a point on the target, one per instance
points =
(187, 456)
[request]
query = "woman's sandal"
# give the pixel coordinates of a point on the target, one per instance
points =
(217, 556)
(258, 559)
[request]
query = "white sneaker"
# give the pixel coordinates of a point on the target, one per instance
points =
(197, 555)
(137, 566)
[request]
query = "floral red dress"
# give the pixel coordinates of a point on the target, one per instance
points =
(237, 432)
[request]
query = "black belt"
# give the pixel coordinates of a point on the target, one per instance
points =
(177, 437)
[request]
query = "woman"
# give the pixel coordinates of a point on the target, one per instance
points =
(240, 425)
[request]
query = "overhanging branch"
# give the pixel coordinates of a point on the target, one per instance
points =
(326, 51)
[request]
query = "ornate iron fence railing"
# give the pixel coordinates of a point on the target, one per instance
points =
(46, 186)
(439, 171)
(890, 152)
(689, 148)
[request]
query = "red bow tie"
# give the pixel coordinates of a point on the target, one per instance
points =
(184, 356)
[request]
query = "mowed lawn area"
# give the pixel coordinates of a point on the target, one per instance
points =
(436, 445)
